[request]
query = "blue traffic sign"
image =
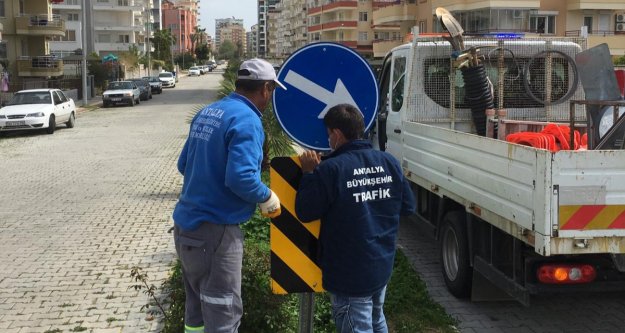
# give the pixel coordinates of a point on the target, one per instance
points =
(318, 77)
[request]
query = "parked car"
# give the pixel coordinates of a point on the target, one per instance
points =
(125, 92)
(195, 71)
(211, 65)
(38, 109)
(144, 88)
(167, 78)
(155, 84)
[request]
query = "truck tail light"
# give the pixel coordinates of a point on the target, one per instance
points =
(566, 273)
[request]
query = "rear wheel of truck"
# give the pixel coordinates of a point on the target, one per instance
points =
(454, 252)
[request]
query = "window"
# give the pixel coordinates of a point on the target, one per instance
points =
(2, 9)
(3, 50)
(62, 96)
(123, 39)
(587, 22)
(72, 17)
(103, 1)
(423, 26)
(543, 24)
(363, 17)
(70, 36)
(57, 99)
(104, 38)
(397, 94)
(362, 36)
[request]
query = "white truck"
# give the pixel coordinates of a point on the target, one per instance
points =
(523, 219)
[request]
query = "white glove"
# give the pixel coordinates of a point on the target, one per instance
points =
(271, 207)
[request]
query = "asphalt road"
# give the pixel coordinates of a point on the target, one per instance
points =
(80, 207)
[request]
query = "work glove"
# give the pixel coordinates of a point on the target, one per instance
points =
(271, 207)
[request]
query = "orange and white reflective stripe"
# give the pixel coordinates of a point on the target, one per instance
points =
(592, 217)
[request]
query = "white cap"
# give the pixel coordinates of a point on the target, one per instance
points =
(259, 69)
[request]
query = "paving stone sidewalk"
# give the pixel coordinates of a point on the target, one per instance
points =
(80, 208)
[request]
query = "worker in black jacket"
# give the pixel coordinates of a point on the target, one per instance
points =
(359, 194)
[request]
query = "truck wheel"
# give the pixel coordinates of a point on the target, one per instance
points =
(454, 251)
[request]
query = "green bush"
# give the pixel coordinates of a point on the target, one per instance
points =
(263, 312)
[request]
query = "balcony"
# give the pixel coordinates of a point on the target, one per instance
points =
(614, 39)
(40, 25)
(111, 26)
(596, 4)
(333, 7)
(113, 46)
(119, 6)
(455, 5)
(332, 26)
(41, 66)
(68, 4)
(382, 47)
(399, 11)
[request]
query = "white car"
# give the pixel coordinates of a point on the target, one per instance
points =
(125, 92)
(38, 109)
(168, 79)
(195, 71)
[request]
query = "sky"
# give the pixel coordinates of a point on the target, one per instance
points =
(240, 9)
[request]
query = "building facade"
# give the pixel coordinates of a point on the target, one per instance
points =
(113, 26)
(230, 29)
(252, 42)
(264, 7)
(27, 27)
(374, 27)
(181, 20)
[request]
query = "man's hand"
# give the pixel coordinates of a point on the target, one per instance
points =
(309, 160)
(271, 207)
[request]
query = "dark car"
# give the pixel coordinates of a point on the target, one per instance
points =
(155, 83)
(144, 86)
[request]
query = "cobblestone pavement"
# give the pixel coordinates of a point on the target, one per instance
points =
(80, 207)
(547, 313)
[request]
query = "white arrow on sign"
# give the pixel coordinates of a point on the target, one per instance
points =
(339, 96)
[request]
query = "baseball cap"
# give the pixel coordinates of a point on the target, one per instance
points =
(258, 69)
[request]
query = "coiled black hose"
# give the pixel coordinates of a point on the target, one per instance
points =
(478, 95)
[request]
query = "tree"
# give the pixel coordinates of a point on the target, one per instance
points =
(227, 50)
(131, 58)
(162, 42)
(202, 52)
(620, 61)
(196, 36)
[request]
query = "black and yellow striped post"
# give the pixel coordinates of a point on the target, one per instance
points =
(294, 265)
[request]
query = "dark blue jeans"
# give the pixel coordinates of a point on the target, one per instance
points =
(359, 314)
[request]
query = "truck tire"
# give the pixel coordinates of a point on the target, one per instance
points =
(454, 254)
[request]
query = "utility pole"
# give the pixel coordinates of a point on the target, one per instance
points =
(84, 53)
(149, 45)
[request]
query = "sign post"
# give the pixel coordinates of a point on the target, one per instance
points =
(318, 77)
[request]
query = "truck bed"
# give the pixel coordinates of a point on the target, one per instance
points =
(568, 202)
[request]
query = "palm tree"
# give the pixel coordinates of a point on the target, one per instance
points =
(277, 143)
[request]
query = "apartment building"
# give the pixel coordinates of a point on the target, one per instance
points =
(181, 19)
(112, 26)
(230, 29)
(264, 7)
(291, 31)
(157, 15)
(26, 27)
(348, 22)
(252, 42)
